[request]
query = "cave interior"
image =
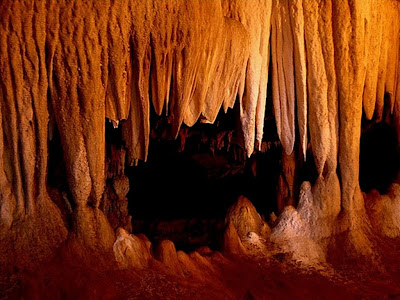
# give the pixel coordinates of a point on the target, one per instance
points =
(220, 149)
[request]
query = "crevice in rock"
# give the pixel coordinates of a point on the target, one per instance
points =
(379, 156)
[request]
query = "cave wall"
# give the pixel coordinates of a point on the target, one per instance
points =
(71, 64)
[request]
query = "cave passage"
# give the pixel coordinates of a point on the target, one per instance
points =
(184, 197)
(379, 157)
(183, 191)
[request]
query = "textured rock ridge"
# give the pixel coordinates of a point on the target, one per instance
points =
(67, 65)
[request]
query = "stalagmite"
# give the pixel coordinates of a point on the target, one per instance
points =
(165, 252)
(387, 206)
(287, 181)
(244, 217)
(130, 251)
(292, 233)
(232, 242)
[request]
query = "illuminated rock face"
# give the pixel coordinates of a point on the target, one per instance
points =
(71, 64)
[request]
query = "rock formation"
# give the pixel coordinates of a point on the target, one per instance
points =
(68, 66)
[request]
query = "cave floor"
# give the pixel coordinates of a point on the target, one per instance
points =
(250, 277)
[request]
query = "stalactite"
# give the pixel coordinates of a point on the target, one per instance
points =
(326, 190)
(256, 19)
(317, 86)
(265, 54)
(383, 60)
(137, 128)
(114, 35)
(396, 104)
(348, 33)
(188, 58)
(327, 43)
(126, 52)
(164, 42)
(208, 60)
(40, 103)
(65, 97)
(283, 75)
(397, 94)
(8, 204)
(25, 82)
(226, 80)
(393, 54)
(297, 23)
(373, 33)
(11, 92)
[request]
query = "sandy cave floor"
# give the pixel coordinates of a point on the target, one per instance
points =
(251, 277)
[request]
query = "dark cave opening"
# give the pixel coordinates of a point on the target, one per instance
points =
(184, 190)
(379, 156)
(57, 183)
(57, 175)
